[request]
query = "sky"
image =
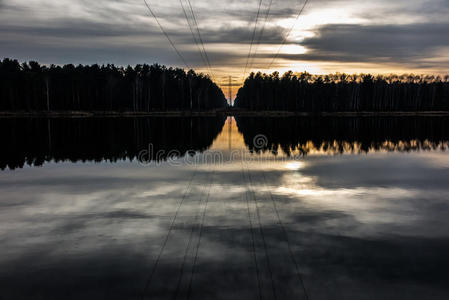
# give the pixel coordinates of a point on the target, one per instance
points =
(380, 37)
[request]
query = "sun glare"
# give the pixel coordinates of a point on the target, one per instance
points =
(294, 166)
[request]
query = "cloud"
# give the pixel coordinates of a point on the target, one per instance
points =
(122, 32)
(404, 44)
(407, 12)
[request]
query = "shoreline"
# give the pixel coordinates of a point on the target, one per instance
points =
(237, 113)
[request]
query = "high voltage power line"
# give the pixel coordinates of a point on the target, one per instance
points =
(198, 41)
(166, 34)
(193, 33)
(288, 34)
(253, 36)
(267, 14)
(199, 36)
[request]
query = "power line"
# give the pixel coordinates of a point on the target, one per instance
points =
(166, 34)
(193, 33)
(252, 39)
(186, 252)
(290, 251)
(200, 38)
(288, 34)
(267, 257)
(200, 233)
(253, 243)
(261, 32)
(170, 229)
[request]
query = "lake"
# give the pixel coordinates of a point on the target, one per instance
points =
(224, 208)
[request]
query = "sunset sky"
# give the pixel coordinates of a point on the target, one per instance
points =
(350, 36)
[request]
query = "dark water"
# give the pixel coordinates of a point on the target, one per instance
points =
(208, 208)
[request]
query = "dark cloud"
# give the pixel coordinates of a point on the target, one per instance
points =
(78, 41)
(132, 36)
(122, 32)
(426, 10)
(77, 29)
(242, 35)
(119, 54)
(406, 44)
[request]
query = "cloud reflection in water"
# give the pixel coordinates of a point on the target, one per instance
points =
(360, 227)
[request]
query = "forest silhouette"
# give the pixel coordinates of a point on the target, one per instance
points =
(31, 87)
(337, 135)
(143, 88)
(34, 141)
(303, 92)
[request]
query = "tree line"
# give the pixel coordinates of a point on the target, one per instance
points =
(336, 135)
(34, 141)
(343, 93)
(143, 88)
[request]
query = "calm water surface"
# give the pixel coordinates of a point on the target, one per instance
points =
(321, 209)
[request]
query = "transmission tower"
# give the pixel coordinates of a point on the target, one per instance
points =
(230, 90)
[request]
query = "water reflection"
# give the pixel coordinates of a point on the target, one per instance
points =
(346, 134)
(33, 141)
(371, 226)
